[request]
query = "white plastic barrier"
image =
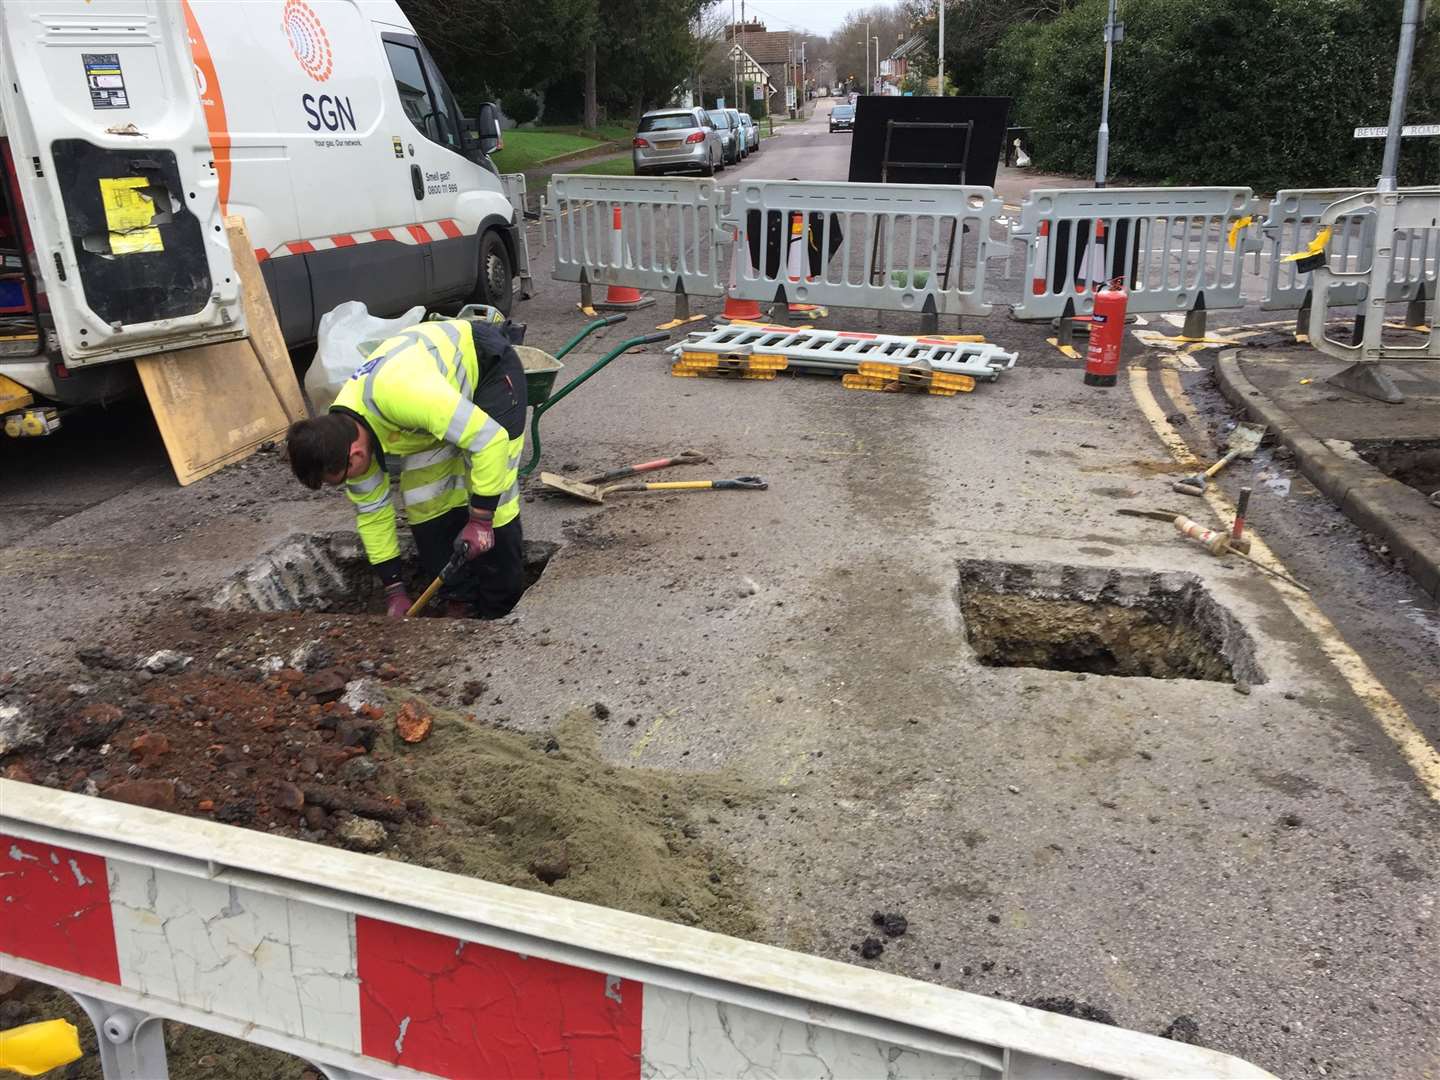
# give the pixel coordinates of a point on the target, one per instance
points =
(514, 185)
(645, 232)
(1406, 239)
(372, 968)
(892, 247)
(1171, 246)
(1293, 221)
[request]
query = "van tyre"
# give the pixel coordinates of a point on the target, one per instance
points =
(496, 284)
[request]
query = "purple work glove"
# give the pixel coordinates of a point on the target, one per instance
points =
(478, 535)
(397, 600)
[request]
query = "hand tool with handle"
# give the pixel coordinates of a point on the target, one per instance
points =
(1244, 441)
(1238, 540)
(594, 493)
(1177, 519)
(457, 560)
(685, 457)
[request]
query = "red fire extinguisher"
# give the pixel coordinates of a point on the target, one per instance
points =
(1107, 334)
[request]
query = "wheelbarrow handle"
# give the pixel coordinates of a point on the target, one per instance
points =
(554, 399)
(590, 328)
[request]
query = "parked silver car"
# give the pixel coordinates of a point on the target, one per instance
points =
(729, 131)
(752, 132)
(737, 118)
(678, 140)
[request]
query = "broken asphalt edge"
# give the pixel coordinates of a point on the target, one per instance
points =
(1402, 517)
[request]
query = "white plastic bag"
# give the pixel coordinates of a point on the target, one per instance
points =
(348, 334)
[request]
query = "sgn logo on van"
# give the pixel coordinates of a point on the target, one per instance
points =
(311, 46)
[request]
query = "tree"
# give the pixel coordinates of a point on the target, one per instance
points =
(972, 29)
(1221, 91)
(486, 47)
(632, 53)
(848, 45)
(648, 51)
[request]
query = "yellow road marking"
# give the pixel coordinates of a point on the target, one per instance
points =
(1389, 714)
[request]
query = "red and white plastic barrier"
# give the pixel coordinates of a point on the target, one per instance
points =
(369, 967)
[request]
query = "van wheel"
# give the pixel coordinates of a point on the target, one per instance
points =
(496, 285)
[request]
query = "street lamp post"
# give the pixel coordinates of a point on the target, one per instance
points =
(1102, 139)
(940, 66)
(873, 86)
(866, 45)
(1410, 21)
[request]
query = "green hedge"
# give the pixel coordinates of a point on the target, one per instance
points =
(1265, 93)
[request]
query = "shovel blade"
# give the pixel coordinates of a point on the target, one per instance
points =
(1246, 438)
(577, 488)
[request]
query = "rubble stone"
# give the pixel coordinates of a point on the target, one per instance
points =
(18, 730)
(325, 686)
(156, 794)
(310, 656)
(413, 723)
(363, 692)
(166, 662)
(149, 746)
(362, 834)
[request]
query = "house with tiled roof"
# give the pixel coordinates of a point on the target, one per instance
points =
(773, 51)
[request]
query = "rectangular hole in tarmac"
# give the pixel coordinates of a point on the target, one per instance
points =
(1102, 621)
(1414, 462)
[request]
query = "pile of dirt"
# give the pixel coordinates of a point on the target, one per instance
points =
(549, 813)
(333, 729)
(298, 725)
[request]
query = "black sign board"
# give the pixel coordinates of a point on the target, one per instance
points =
(928, 140)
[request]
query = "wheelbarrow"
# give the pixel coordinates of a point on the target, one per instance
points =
(541, 369)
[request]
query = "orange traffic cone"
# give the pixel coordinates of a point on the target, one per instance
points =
(621, 297)
(735, 308)
(1042, 259)
(795, 262)
(1096, 271)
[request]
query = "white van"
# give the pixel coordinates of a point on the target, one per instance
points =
(130, 128)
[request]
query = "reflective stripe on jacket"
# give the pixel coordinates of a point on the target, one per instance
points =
(415, 391)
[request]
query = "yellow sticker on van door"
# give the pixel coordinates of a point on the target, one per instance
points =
(128, 213)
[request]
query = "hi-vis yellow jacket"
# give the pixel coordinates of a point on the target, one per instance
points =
(415, 394)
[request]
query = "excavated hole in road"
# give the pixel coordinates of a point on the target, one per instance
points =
(1414, 462)
(328, 572)
(1102, 621)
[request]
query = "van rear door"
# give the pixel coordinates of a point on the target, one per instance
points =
(102, 110)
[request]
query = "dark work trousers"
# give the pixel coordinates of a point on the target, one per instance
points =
(491, 583)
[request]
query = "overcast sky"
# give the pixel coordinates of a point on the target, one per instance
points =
(822, 17)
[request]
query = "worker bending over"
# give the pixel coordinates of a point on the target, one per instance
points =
(447, 399)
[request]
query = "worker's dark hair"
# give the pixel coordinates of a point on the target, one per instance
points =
(319, 447)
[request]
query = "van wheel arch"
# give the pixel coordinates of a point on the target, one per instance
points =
(496, 239)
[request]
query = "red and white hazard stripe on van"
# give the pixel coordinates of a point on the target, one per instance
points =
(424, 232)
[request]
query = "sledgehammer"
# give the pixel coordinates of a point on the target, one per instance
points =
(1244, 441)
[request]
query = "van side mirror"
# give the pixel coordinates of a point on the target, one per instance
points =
(482, 133)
